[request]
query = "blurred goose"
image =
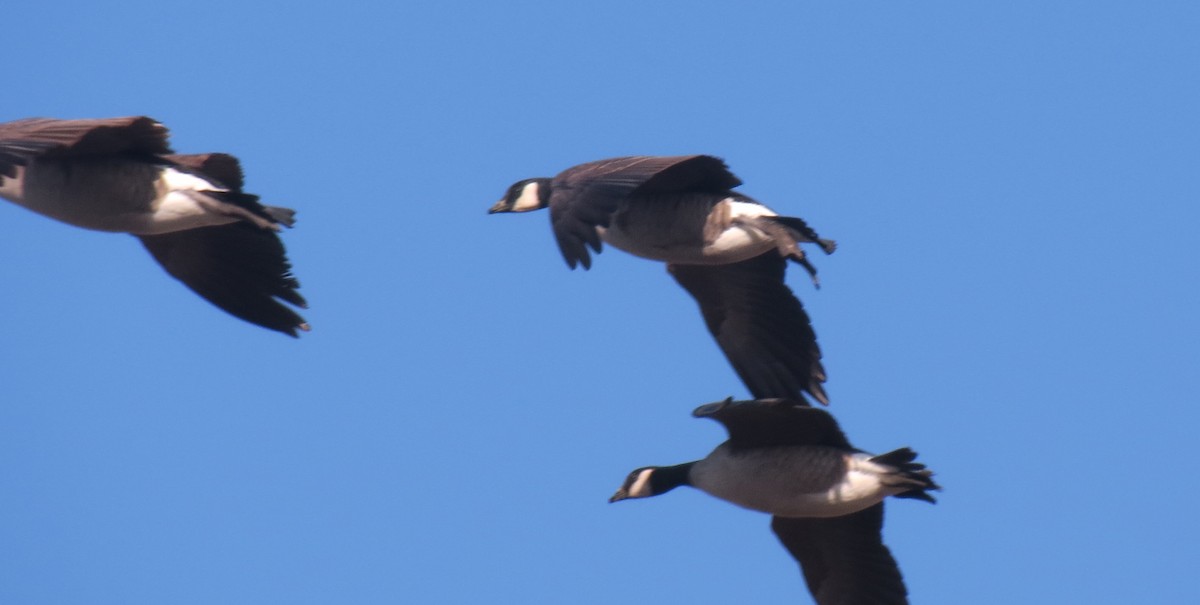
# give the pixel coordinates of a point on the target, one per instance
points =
(826, 497)
(726, 249)
(189, 211)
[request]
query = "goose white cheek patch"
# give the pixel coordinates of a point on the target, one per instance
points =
(641, 485)
(528, 200)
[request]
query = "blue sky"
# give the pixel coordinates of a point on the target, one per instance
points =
(1012, 187)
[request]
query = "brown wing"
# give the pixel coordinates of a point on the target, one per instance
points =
(23, 140)
(238, 267)
(774, 422)
(843, 558)
(759, 324)
(586, 196)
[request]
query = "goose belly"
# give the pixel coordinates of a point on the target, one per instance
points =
(791, 481)
(118, 196)
(676, 233)
(100, 195)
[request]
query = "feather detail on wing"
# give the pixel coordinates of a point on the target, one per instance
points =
(23, 140)
(585, 197)
(759, 324)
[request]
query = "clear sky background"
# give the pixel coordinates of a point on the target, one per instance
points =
(1013, 187)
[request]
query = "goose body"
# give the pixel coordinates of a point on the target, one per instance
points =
(119, 175)
(797, 481)
(691, 230)
(728, 250)
(124, 196)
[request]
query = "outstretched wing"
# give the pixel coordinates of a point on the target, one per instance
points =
(23, 140)
(774, 422)
(238, 267)
(586, 196)
(759, 324)
(844, 559)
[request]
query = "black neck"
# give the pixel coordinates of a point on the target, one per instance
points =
(667, 478)
(544, 191)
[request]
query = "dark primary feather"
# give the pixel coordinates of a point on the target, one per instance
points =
(775, 422)
(759, 324)
(23, 140)
(584, 197)
(844, 559)
(237, 267)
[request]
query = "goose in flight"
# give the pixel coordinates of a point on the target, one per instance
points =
(793, 462)
(726, 249)
(189, 211)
